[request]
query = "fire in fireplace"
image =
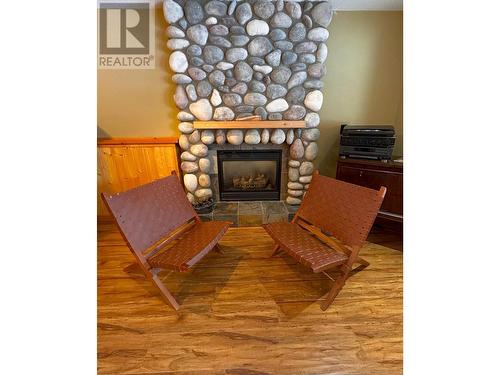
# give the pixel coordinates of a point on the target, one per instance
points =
(249, 174)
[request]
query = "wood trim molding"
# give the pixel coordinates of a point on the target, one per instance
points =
(250, 124)
(136, 141)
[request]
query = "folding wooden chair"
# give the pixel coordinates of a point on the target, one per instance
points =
(329, 229)
(153, 216)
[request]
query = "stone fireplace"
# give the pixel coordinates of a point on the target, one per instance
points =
(235, 59)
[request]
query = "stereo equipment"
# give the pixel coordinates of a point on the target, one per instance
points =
(367, 142)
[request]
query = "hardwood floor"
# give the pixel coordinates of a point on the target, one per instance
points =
(243, 313)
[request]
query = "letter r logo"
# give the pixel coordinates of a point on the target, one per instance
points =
(124, 28)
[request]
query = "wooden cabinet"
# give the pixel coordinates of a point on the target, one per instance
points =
(374, 174)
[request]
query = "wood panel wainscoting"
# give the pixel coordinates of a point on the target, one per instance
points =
(124, 163)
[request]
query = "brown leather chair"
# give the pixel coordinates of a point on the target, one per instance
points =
(329, 229)
(162, 229)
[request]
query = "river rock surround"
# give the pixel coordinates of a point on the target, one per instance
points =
(232, 59)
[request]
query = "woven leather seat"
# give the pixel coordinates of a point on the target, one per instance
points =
(162, 229)
(193, 246)
(303, 247)
(346, 211)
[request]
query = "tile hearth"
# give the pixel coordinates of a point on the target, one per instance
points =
(251, 213)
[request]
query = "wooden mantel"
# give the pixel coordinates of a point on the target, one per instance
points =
(249, 124)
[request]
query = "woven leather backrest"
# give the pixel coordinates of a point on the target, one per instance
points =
(345, 210)
(150, 212)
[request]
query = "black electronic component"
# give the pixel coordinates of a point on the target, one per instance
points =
(369, 142)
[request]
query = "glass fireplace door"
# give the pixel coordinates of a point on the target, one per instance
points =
(249, 174)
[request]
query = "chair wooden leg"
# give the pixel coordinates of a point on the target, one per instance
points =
(218, 249)
(363, 264)
(339, 282)
(336, 288)
(169, 298)
(276, 250)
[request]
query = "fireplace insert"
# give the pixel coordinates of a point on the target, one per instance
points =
(249, 174)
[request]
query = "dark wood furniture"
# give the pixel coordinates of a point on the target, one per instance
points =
(374, 174)
(346, 212)
(162, 229)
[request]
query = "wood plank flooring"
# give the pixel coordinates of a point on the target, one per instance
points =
(243, 313)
